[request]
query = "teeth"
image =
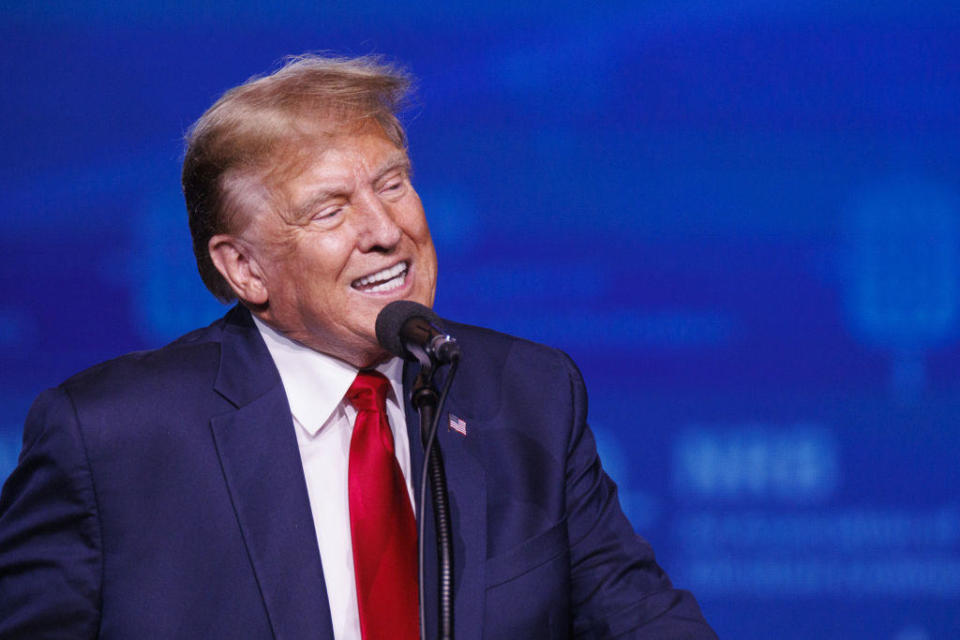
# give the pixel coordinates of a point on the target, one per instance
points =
(387, 279)
(389, 284)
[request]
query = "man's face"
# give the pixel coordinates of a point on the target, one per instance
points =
(349, 237)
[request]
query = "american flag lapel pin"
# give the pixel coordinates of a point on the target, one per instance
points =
(457, 424)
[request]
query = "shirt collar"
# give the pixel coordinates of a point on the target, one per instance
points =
(316, 383)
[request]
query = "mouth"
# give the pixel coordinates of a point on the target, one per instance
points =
(385, 280)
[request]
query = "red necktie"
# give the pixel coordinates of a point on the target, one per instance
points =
(382, 524)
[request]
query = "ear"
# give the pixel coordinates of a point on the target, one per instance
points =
(235, 261)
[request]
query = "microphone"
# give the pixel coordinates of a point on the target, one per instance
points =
(412, 331)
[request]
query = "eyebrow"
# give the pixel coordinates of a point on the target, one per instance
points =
(398, 160)
(303, 212)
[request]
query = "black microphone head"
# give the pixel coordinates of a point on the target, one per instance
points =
(391, 319)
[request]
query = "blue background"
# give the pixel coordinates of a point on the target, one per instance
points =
(740, 218)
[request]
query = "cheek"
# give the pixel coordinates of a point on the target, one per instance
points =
(424, 231)
(414, 220)
(323, 259)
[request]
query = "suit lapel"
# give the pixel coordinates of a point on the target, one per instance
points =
(466, 489)
(261, 465)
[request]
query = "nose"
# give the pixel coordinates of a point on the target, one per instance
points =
(377, 228)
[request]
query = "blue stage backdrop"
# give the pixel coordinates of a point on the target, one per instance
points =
(742, 219)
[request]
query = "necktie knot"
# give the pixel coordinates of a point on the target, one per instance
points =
(369, 392)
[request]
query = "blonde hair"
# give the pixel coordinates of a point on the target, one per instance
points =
(259, 127)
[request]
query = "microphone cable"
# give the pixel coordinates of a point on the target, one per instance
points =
(441, 513)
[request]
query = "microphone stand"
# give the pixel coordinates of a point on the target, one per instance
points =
(428, 403)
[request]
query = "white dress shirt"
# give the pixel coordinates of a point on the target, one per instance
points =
(316, 384)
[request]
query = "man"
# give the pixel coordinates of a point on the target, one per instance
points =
(254, 479)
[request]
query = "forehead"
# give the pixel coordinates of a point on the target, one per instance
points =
(347, 156)
(329, 151)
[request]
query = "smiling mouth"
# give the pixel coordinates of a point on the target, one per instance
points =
(386, 280)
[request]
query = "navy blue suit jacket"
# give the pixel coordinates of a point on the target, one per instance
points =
(161, 495)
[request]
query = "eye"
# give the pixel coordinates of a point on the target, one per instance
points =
(328, 212)
(394, 184)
